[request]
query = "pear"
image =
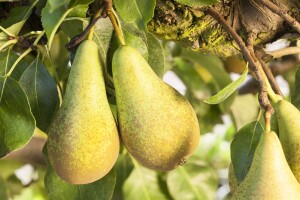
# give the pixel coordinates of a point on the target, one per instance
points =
(269, 176)
(288, 118)
(232, 180)
(83, 142)
(157, 124)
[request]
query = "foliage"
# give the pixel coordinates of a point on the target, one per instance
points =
(33, 83)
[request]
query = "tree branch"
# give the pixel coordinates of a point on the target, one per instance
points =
(279, 11)
(254, 66)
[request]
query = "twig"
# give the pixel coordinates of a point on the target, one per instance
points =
(254, 66)
(79, 38)
(271, 77)
(284, 52)
(282, 13)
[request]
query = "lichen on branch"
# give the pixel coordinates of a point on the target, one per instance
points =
(192, 28)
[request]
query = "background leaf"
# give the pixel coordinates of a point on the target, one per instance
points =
(41, 92)
(243, 147)
(211, 68)
(137, 12)
(156, 55)
(142, 184)
(194, 180)
(228, 90)
(123, 167)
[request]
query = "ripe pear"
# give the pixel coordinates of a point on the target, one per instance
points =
(269, 176)
(83, 142)
(157, 124)
(288, 119)
(232, 180)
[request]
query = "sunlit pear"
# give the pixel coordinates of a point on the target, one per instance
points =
(288, 119)
(83, 142)
(158, 126)
(232, 180)
(269, 176)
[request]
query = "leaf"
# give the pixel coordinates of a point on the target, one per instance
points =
(17, 123)
(228, 90)
(16, 19)
(52, 19)
(295, 99)
(142, 184)
(211, 69)
(123, 168)
(193, 181)
(156, 55)
(7, 59)
(137, 12)
(243, 147)
(54, 4)
(41, 92)
(3, 192)
(244, 109)
(60, 190)
(196, 2)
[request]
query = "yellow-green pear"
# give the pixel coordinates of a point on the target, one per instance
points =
(232, 180)
(288, 119)
(83, 142)
(157, 124)
(269, 176)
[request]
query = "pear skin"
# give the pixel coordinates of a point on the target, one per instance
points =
(83, 142)
(232, 180)
(288, 119)
(269, 176)
(158, 126)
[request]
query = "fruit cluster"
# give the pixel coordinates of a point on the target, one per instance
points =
(156, 124)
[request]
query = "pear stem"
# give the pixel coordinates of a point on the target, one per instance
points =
(117, 25)
(267, 116)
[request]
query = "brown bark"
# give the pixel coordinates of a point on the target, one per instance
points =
(192, 28)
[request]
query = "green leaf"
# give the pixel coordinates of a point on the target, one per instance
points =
(3, 190)
(142, 184)
(296, 94)
(211, 69)
(60, 190)
(102, 36)
(15, 21)
(41, 92)
(17, 123)
(244, 109)
(196, 2)
(52, 19)
(123, 168)
(243, 147)
(54, 4)
(228, 90)
(137, 12)
(194, 180)
(156, 55)
(7, 59)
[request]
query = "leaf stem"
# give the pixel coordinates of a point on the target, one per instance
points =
(17, 61)
(8, 43)
(7, 32)
(117, 25)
